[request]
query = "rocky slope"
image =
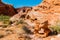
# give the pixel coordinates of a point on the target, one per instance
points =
(40, 22)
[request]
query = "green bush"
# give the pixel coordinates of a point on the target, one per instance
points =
(55, 28)
(4, 19)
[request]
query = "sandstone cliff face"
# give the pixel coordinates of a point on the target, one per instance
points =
(51, 8)
(48, 6)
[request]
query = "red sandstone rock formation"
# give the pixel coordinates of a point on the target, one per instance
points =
(6, 9)
(24, 9)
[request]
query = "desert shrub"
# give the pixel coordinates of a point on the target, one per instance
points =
(55, 28)
(4, 18)
(21, 21)
(27, 30)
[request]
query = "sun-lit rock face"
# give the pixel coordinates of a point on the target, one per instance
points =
(40, 17)
(39, 21)
(51, 8)
(48, 6)
(35, 19)
(36, 22)
(34, 16)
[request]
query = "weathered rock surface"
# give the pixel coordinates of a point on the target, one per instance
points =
(38, 19)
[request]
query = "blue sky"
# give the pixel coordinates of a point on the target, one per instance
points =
(21, 3)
